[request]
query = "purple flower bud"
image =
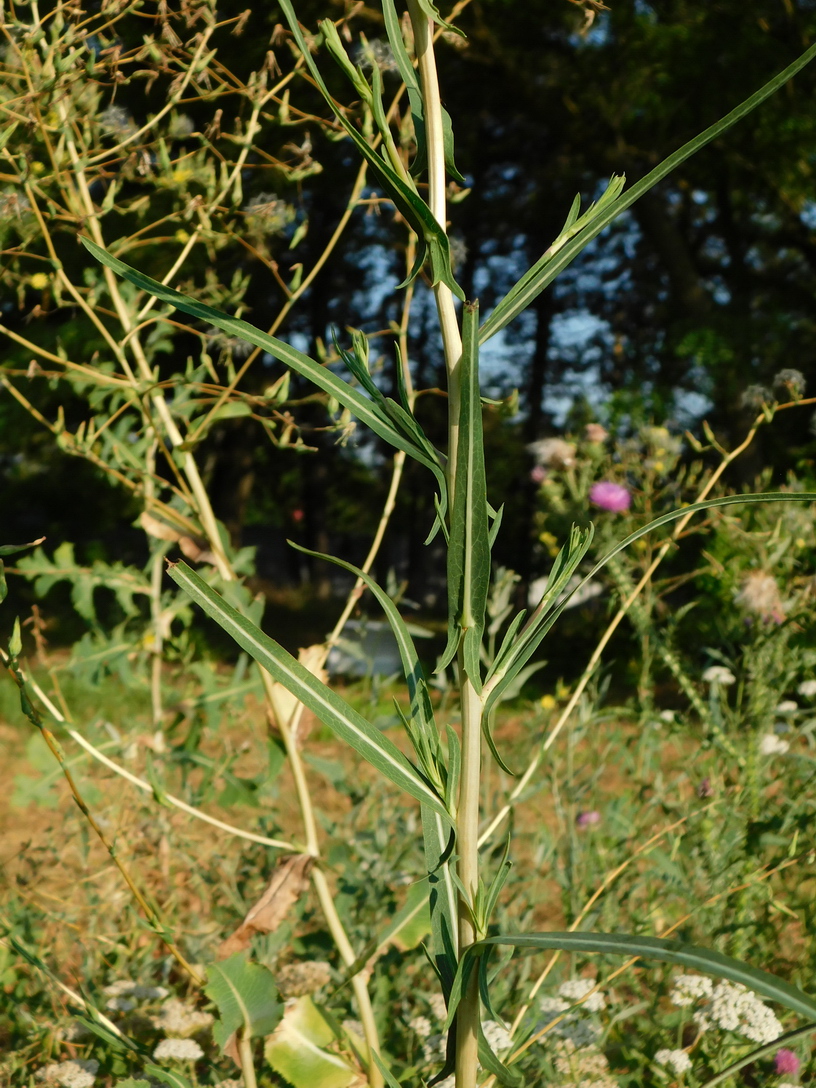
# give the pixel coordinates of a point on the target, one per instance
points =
(538, 474)
(610, 496)
(588, 819)
(705, 789)
(786, 1061)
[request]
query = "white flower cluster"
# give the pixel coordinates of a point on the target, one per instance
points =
(575, 1028)
(734, 1008)
(176, 1018)
(71, 1074)
(772, 745)
(719, 674)
(184, 1050)
(497, 1035)
(307, 977)
(552, 453)
(787, 706)
(124, 995)
(677, 1059)
(586, 1066)
(807, 689)
(577, 988)
(438, 1006)
(688, 989)
(421, 1026)
(353, 1027)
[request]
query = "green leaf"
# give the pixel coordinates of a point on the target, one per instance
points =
(296, 1049)
(443, 897)
(329, 707)
(168, 1076)
(132, 1082)
(706, 960)
(388, 1076)
(12, 549)
(409, 78)
(469, 547)
(760, 1052)
(15, 646)
(432, 238)
(430, 9)
(430, 751)
(373, 417)
(517, 648)
(246, 997)
(555, 260)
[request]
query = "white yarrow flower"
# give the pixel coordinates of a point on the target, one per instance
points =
(75, 1073)
(176, 1018)
(735, 1008)
(677, 1059)
(183, 1050)
(787, 706)
(421, 1026)
(772, 745)
(577, 988)
(719, 674)
(690, 988)
(497, 1035)
(807, 689)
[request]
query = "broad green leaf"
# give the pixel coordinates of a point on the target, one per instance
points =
(706, 960)
(246, 997)
(554, 261)
(297, 1051)
(324, 379)
(531, 637)
(329, 707)
(426, 744)
(469, 546)
(432, 239)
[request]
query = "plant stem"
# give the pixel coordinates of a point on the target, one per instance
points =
(247, 1064)
(467, 819)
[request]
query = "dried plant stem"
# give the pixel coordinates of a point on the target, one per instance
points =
(149, 911)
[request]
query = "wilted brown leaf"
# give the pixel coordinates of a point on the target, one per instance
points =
(284, 703)
(289, 881)
(159, 529)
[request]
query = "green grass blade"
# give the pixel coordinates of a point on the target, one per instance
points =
(324, 379)
(532, 636)
(554, 261)
(432, 237)
(326, 704)
(705, 960)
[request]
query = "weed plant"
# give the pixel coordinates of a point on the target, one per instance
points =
(655, 845)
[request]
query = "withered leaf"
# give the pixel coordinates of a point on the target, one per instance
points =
(289, 881)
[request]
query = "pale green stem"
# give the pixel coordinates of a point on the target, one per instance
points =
(467, 819)
(247, 1064)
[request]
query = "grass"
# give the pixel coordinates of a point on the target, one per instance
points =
(610, 786)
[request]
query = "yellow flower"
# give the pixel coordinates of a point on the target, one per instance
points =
(550, 543)
(37, 167)
(182, 236)
(39, 281)
(181, 175)
(547, 702)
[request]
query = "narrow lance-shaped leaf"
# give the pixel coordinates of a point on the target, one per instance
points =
(664, 950)
(326, 704)
(432, 239)
(469, 546)
(552, 264)
(529, 641)
(366, 411)
(409, 78)
(421, 708)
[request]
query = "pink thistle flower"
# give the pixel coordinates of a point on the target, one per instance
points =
(588, 819)
(539, 474)
(786, 1061)
(610, 496)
